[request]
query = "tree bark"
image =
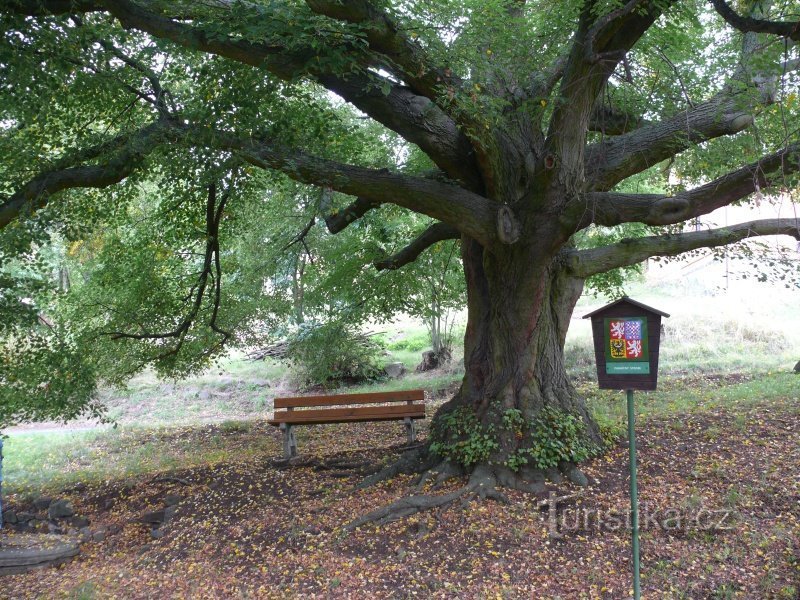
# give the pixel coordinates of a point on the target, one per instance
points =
(520, 301)
(519, 309)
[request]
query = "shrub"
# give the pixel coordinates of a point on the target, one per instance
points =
(333, 353)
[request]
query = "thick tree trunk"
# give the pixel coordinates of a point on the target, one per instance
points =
(519, 309)
(515, 398)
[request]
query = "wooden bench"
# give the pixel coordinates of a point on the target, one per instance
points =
(348, 409)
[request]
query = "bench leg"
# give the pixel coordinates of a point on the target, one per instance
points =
(289, 441)
(411, 430)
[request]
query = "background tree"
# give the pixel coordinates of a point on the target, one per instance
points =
(538, 125)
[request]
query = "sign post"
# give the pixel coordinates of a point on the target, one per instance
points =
(627, 335)
(1, 482)
(634, 497)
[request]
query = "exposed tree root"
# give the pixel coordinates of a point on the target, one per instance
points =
(416, 460)
(405, 507)
(482, 485)
(440, 474)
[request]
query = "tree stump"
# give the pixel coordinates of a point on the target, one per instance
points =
(21, 553)
(431, 360)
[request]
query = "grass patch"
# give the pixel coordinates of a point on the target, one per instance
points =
(234, 426)
(413, 341)
(432, 381)
(681, 395)
(40, 461)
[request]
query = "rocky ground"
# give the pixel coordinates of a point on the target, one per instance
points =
(720, 496)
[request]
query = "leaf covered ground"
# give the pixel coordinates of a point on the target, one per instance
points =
(720, 494)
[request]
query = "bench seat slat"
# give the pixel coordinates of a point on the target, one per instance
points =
(354, 419)
(357, 413)
(372, 398)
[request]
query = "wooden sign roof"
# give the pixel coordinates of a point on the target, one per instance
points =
(626, 300)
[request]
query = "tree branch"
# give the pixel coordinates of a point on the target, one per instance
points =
(68, 174)
(414, 117)
(781, 28)
(726, 113)
(609, 209)
(605, 28)
(598, 48)
(614, 159)
(632, 251)
(433, 234)
(471, 213)
(611, 120)
(338, 221)
(211, 268)
(408, 59)
(41, 8)
(159, 96)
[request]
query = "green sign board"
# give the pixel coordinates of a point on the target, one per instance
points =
(626, 347)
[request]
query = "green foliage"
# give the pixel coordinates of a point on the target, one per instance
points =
(44, 373)
(460, 437)
(554, 436)
(43, 376)
(414, 343)
(331, 353)
(133, 251)
(513, 419)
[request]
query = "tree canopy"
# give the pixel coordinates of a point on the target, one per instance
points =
(187, 158)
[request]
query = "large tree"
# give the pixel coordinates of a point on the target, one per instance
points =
(545, 127)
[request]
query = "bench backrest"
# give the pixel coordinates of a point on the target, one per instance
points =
(407, 396)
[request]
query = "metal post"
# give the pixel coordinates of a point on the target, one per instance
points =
(1, 482)
(634, 497)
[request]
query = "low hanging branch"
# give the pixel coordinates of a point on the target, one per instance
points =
(212, 268)
(341, 219)
(470, 212)
(633, 251)
(127, 150)
(433, 234)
